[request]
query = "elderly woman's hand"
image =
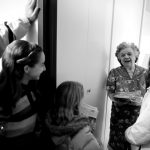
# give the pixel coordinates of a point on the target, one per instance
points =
(32, 10)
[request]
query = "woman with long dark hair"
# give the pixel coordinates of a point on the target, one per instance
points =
(22, 65)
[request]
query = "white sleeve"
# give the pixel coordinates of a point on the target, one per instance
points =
(139, 132)
(19, 28)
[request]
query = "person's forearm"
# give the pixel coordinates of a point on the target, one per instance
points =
(20, 27)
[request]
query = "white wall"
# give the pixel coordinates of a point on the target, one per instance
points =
(11, 9)
(145, 36)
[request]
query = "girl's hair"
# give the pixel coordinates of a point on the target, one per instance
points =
(66, 102)
(124, 45)
(16, 55)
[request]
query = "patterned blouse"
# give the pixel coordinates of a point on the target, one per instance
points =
(124, 114)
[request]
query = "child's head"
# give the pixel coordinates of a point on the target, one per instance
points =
(68, 98)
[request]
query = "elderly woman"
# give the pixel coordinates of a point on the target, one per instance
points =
(126, 86)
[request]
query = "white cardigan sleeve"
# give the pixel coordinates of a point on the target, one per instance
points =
(20, 27)
(139, 132)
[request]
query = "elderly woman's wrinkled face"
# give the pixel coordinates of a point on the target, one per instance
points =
(127, 57)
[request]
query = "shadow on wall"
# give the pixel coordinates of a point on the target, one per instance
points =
(98, 93)
(100, 122)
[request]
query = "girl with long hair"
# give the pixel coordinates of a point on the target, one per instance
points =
(70, 130)
(22, 65)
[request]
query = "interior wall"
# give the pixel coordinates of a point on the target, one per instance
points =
(81, 50)
(145, 36)
(11, 10)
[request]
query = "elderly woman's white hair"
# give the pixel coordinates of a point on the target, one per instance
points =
(124, 45)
